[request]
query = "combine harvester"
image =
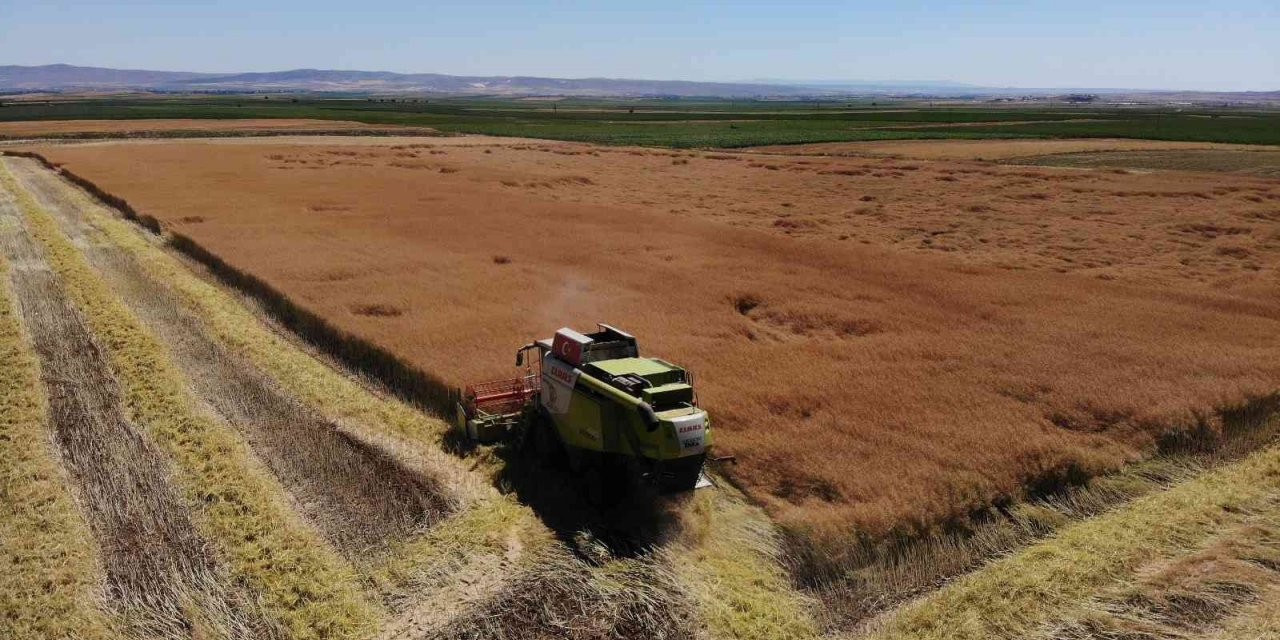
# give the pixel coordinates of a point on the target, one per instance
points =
(627, 424)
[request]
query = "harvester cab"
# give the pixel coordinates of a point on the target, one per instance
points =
(619, 418)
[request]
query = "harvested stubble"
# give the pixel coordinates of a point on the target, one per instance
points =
(1104, 572)
(160, 579)
(51, 575)
(1260, 619)
(1191, 595)
(296, 580)
(730, 557)
(355, 493)
(563, 599)
(887, 574)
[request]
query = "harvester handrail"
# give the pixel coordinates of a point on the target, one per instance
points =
(501, 396)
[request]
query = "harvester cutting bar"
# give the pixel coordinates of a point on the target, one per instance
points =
(500, 397)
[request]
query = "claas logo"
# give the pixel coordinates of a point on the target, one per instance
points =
(564, 375)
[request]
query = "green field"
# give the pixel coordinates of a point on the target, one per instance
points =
(695, 123)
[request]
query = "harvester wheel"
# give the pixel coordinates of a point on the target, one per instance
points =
(544, 440)
(593, 486)
(603, 479)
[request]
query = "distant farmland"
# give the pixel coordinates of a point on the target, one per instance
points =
(691, 123)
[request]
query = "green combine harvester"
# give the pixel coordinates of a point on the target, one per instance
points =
(626, 423)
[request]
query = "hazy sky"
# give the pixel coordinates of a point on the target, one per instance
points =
(1224, 44)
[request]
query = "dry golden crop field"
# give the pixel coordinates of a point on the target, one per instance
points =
(886, 345)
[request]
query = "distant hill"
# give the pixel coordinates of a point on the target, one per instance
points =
(59, 77)
(63, 76)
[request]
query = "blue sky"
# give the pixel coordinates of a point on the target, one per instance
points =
(1223, 45)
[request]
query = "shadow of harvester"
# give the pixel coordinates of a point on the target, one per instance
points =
(630, 527)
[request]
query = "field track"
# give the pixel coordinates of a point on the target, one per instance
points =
(1252, 162)
(989, 149)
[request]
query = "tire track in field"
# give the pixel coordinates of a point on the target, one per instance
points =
(356, 494)
(160, 577)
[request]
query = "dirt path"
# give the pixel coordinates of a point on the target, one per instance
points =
(984, 149)
(356, 494)
(157, 566)
(1258, 162)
